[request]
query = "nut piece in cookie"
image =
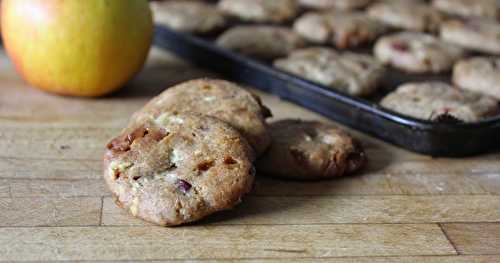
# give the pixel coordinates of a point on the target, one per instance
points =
(343, 30)
(337, 4)
(432, 100)
(352, 73)
(310, 150)
(408, 15)
(188, 16)
(476, 34)
(217, 98)
(469, 8)
(417, 53)
(479, 74)
(174, 169)
(264, 42)
(275, 11)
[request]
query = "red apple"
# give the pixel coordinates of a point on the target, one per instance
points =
(77, 47)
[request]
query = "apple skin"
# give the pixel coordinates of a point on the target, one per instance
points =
(82, 48)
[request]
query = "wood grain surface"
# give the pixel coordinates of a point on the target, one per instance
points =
(54, 206)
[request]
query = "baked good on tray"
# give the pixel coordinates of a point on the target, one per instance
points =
(479, 74)
(352, 73)
(188, 16)
(178, 168)
(275, 11)
(419, 53)
(310, 150)
(337, 4)
(475, 34)
(341, 29)
(469, 8)
(437, 101)
(221, 99)
(407, 15)
(260, 41)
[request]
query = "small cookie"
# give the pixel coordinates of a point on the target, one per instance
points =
(217, 98)
(417, 52)
(178, 168)
(188, 16)
(264, 42)
(433, 100)
(479, 74)
(337, 4)
(413, 16)
(343, 30)
(353, 73)
(468, 8)
(310, 150)
(275, 11)
(478, 35)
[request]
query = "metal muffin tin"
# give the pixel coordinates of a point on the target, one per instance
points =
(426, 137)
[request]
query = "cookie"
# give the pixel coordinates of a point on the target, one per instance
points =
(188, 16)
(178, 168)
(417, 52)
(433, 100)
(342, 29)
(468, 8)
(353, 73)
(408, 15)
(217, 98)
(479, 74)
(475, 34)
(337, 4)
(263, 42)
(275, 11)
(310, 150)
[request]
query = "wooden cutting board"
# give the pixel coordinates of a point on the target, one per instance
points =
(55, 206)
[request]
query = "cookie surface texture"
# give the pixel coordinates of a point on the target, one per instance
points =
(178, 168)
(310, 150)
(221, 99)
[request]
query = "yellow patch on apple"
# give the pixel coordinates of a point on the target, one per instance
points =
(82, 48)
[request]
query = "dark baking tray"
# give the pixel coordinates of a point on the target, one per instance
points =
(430, 138)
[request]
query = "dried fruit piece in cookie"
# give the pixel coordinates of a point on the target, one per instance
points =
(417, 52)
(432, 100)
(476, 34)
(275, 11)
(264, 42)
(343, 30)
(188, 16)
(217, 98)
(310, 150)
(479, 74)
(468, 8)
(407, 15)
(172, 169)
(352, 73)
(337, 4)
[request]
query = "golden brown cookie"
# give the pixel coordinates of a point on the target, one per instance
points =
(178, 168)
(310, 150)
(220, 99)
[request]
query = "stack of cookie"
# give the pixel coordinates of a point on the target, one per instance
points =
(358, 47)
(190, 152)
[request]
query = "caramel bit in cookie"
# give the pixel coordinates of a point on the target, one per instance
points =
(400, 46)
(356, 159)
(207, 87)
(160, 134)
(228, 160)
(299, 156)
(184, 186)
(116, 174)
(138, 133)
(447, 118)
(118, 145)
(205, 165)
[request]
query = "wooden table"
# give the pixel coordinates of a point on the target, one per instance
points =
(55, 206)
